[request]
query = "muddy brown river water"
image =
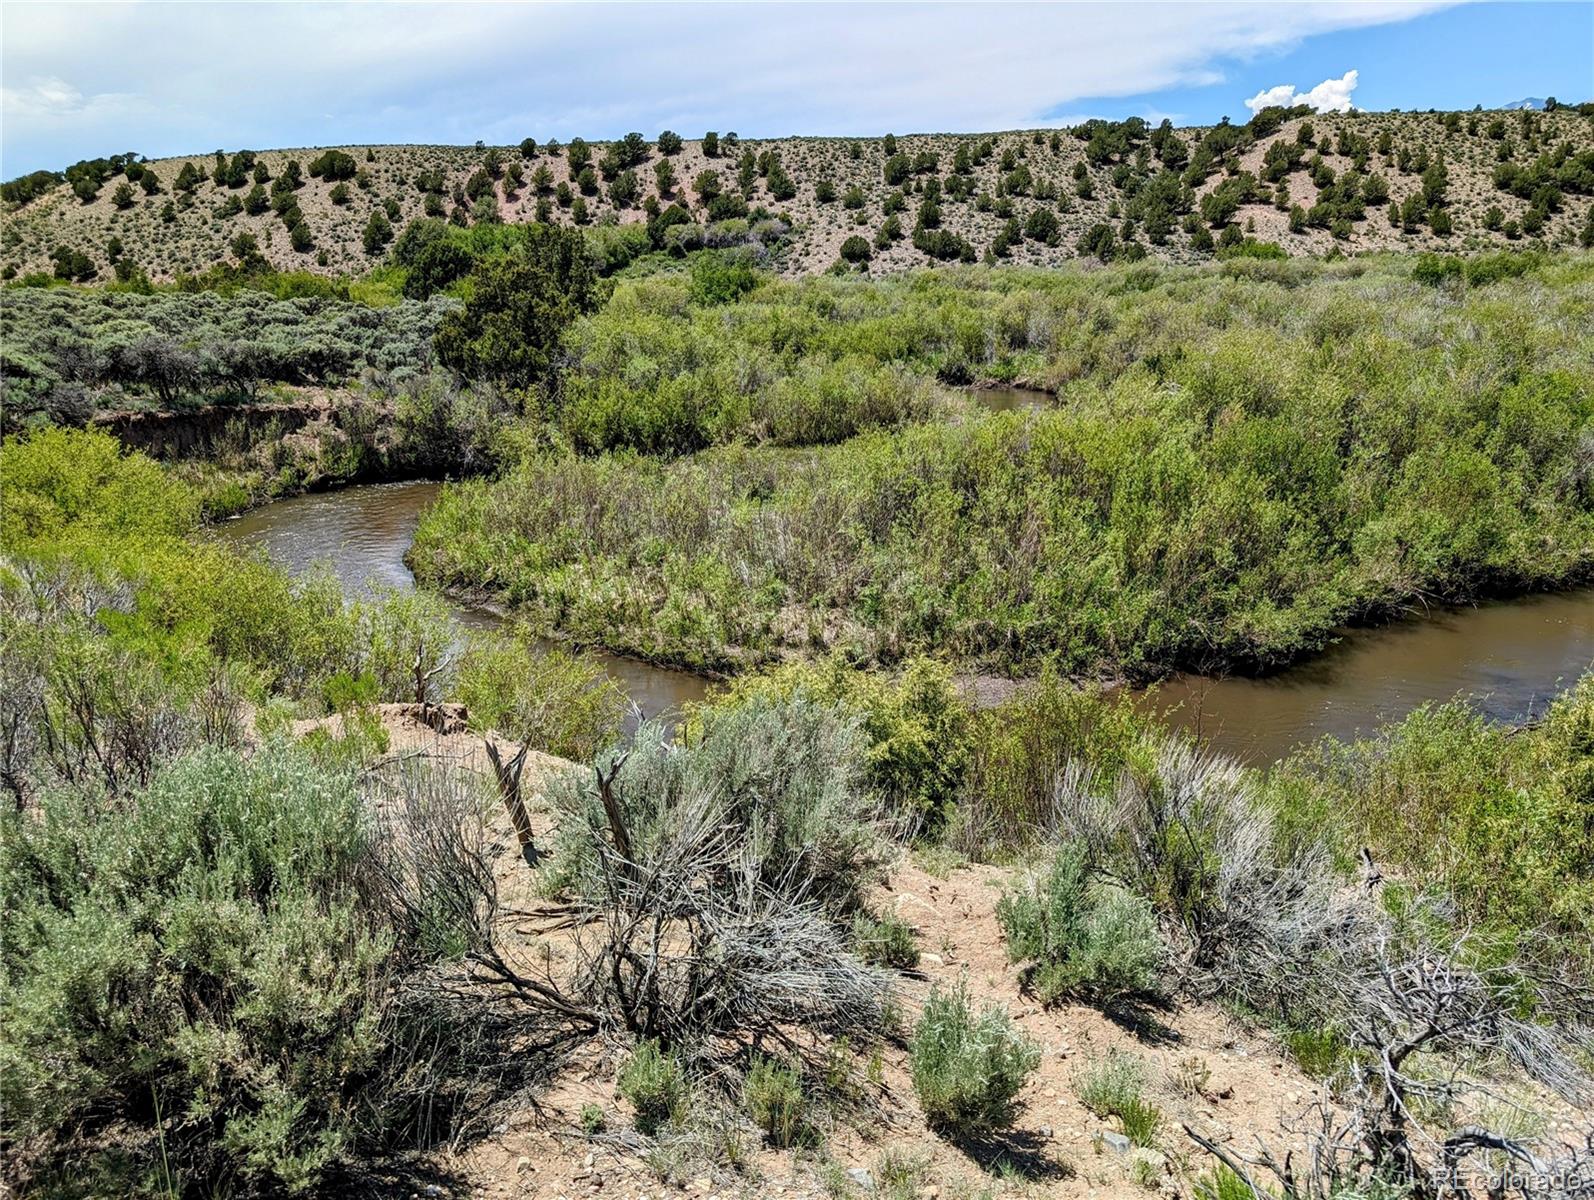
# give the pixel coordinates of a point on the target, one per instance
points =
(363, 533)
(1510, 658)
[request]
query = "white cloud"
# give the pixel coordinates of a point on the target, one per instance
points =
(1332, 95)
(49, 96)
(266, 75)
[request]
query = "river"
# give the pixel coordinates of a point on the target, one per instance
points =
(363, 533)
(1510, 658)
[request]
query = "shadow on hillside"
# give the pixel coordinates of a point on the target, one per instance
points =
(398, 1179)
(1142, 1018)
(1022, 1152)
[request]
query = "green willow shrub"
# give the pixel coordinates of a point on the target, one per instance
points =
(56, 479)
(406, 641)
(1020, 747)
(204, 976)
(657, 374)
(916, 727)
(540, 695)
(1081, 937)
(968, 1067)
(721, 278)
(77, 498)
(1495, 818)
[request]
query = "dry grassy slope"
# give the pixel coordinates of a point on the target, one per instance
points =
(1248, 1086)
(1204, 1067)
(198, 239)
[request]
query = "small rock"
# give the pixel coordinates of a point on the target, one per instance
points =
(1046, 1131)
(861, 1177)
(1154, 1159)
(501, 1127)
(587, 1161)
(1116, 1142)
(934, 960)
(1049, 1093)
(522, 1164)
(701, 1184)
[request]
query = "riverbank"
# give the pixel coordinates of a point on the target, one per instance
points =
(834, 839)
(1220, 488)
(1508, 659)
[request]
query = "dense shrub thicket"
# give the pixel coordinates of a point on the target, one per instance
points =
(100, 563)
(1495, 818)
(1242, 458)
(67, 349)
(658, 373)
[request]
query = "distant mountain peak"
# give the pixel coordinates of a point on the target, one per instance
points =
(1534, 102)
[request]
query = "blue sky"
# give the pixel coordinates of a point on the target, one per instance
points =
(81, 80)
(1451, 58)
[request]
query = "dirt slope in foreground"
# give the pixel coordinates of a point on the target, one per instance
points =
(1247, 1087)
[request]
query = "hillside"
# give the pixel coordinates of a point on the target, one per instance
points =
(1309, 182)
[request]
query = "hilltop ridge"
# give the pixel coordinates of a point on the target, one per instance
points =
(1304, 181)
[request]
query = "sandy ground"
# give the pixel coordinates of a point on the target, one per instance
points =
(881, 1145)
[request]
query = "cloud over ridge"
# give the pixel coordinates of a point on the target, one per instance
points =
(1332, 95)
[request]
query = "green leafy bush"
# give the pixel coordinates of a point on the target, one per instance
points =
(721, 278)
(1493, 818)
(1114, 1087)
(1082, 937)
(887, 941)
(1020, 747)
(539, 695)
(204, 975)
(916, 727)
(655, 1085)
(968, 1067)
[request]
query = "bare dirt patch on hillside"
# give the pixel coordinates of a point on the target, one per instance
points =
(1202, 1066)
